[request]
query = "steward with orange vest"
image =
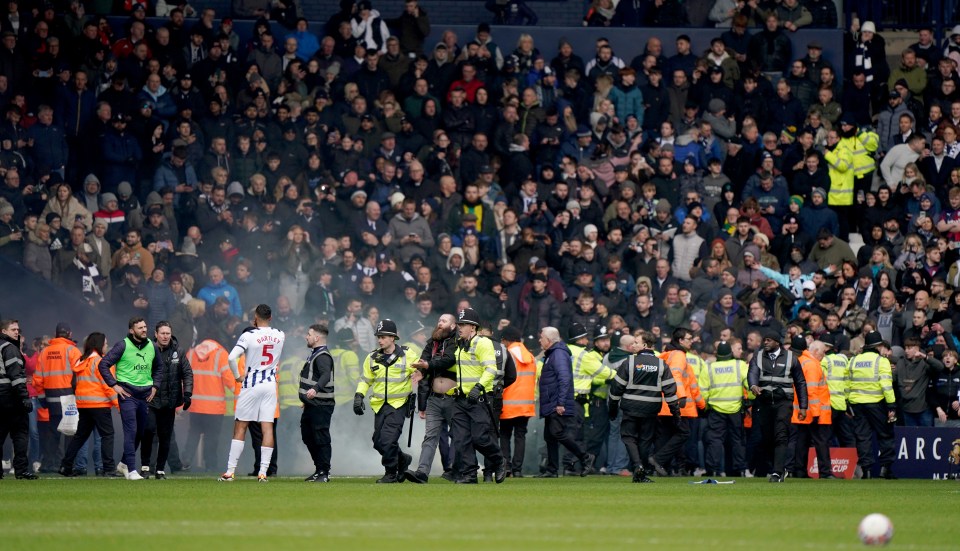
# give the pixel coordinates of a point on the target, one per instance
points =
(94, 401)
(435, 400)
(15, 403)
(211, 381)
(642, 385)
(775, 376)
(519, 401)
(815, 426)
(672, 433)
(53, 379)
(175, 390)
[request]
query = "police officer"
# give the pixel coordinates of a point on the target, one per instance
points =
(317, 394)
(15, 404)
(775, 376)
(386, 374)
(176, 390)
(834, 365)
(587, 365)
(506, 375)
(472, 427)
(872, 405)
(642, 383)
(435, 399)
(723, 384)
(596, 425)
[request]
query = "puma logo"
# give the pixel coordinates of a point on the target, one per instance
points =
(141, 355)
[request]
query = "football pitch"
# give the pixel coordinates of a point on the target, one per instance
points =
(528, 514)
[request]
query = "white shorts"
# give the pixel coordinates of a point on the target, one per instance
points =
(258, 403)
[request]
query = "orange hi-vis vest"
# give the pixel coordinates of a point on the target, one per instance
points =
(818, 393)
(687, 386)
(54, 375)
(211, 378)
(92, 391)
(519, 398)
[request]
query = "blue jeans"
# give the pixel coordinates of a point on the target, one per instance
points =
(922, 419)
(617, 459)
(81, 462)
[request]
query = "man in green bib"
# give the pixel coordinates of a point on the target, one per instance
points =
(137, 378)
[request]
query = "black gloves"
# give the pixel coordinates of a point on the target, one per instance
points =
(682, 402)
(675, 411)
(27, 405)
(474, 396)
(358, 406)
(186, 402)
(613, 408)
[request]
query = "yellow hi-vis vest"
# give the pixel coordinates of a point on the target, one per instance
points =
(835, 368)
(871, 379)
(476, 364)
(587, 366)
(288, 375)
(722, 385)
(388, 384)
(840, 164)
(348, 374)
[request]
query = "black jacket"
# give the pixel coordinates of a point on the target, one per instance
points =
(177, 381)
(440, 358)
(318, 370)
(13, 379)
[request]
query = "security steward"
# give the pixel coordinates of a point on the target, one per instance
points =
(587, 366)
(435, 400)
(723, 384)
(672, 435)
(519, 401)
(317, 394)
(15, 404)
(872, 405)
(774, 377)
(473, 429)
(642, 383)
(386, 374)
(815, 429)
(176, 391)
(834, 365)
(53, 379)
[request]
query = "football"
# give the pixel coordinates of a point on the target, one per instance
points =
(875, 529)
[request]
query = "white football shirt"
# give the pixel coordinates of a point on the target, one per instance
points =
(261, 347)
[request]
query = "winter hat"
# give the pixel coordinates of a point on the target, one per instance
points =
(716, 105)
(91, 178)
(125, 189)
(153, 198)
(100, 222)
(573, 204)
(188, 247)
(7, 208)
(819, 191)
(663, 206)
(396, 198)
(588, 229)
(868, 27)
(333, 68)
(796, 199)
(107, 197)
(235, 188)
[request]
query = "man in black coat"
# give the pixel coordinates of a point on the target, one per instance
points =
(176, 390)
(15, 404)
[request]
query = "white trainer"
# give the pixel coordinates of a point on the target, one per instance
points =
(122, 468)
(134, 475)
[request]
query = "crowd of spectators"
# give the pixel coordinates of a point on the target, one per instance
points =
(173, 170)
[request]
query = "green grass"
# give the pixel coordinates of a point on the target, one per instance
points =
(607, 513)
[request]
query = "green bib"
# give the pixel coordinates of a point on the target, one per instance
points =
(135, 366)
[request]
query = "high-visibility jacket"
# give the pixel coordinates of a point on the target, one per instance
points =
(391, 383)
(413, 347)
(643, 384)
(840, 164)
(288, 379)
(587, 365)
(722, 385)
(476, 364)
(92, 391)
(835, 369)
(54, 375)
(348, 374)
(862, 147)
(871, 379)
(212, 379)
(687, 387)
(818, 393)
(519, 398)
